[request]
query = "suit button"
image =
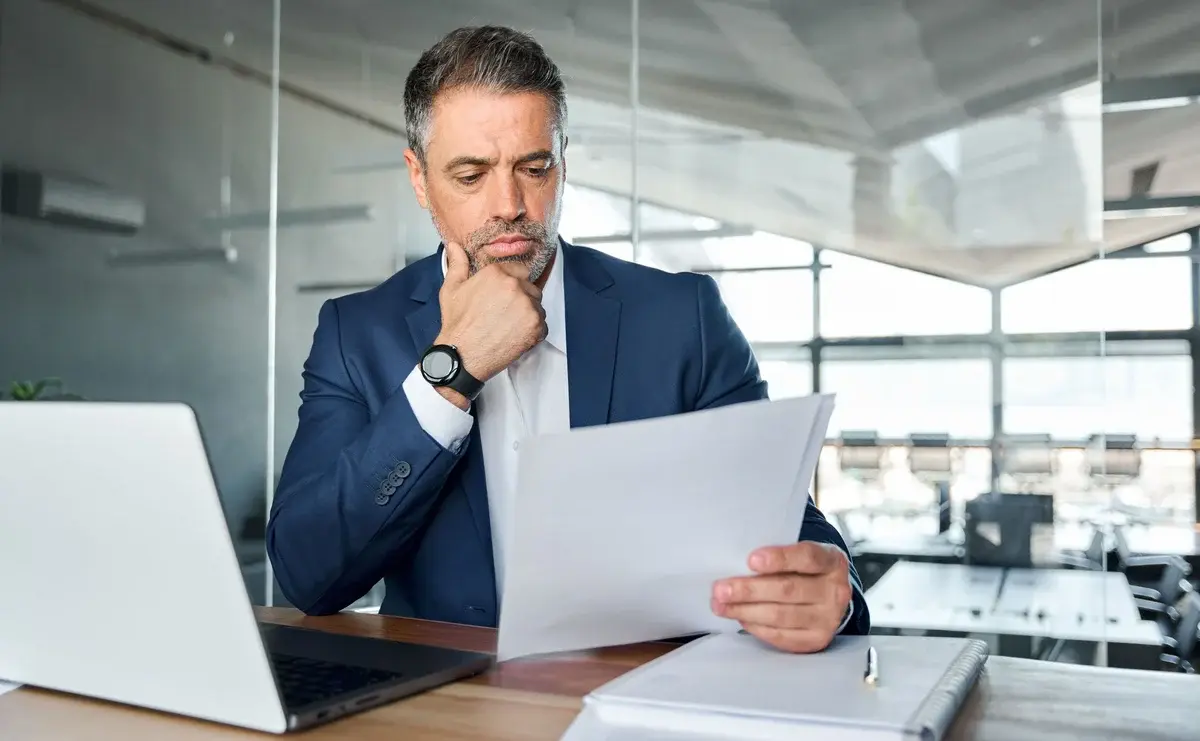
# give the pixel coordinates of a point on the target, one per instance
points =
(394, 479)
(382, 499)
(387, 489)
(402, 469)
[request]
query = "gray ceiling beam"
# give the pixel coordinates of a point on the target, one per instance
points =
(1149, 89)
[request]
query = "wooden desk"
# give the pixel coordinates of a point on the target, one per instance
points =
(528, 700)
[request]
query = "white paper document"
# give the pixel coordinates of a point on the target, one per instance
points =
(618, 532)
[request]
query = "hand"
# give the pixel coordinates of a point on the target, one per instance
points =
(796, 601)
(492, 317)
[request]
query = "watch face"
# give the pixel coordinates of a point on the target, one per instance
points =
(438, 365)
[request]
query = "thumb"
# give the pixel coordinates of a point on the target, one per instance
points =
(457, 264)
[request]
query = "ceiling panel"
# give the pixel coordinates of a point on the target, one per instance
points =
(769, 112)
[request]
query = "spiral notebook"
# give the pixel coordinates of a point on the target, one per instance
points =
(733, 686)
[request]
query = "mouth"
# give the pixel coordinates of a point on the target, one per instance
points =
(508, 246)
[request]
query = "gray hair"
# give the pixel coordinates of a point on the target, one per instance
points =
(493, 58)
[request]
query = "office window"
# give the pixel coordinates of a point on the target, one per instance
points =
(865, 298)
(1072, 398)
(1181, 242)
(620, 250)
(770, 305)
(787, 378)
(654, 217)
(899, 397)
(1102, 295)
(587, 212)
(743, 252)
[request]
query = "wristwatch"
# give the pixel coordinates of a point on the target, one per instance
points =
(442, 366)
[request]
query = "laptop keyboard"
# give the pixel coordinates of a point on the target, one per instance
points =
(304, 681)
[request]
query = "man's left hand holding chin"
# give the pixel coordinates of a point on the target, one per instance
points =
(797, 600)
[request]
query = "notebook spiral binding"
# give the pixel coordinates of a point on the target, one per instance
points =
(934, 715)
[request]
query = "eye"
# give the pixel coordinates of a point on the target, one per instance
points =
(537, 172)
(469, 179)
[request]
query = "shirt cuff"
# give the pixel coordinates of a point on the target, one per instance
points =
(849, 607)
(439, 417)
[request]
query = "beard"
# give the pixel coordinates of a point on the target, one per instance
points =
(535, 259)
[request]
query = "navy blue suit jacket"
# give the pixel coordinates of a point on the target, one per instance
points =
(366, 494)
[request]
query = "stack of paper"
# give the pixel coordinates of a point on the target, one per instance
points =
(618, 532)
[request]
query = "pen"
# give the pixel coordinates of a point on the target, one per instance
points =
(871, 676)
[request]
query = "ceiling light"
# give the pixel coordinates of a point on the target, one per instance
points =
(1149, 105)
(150, 258)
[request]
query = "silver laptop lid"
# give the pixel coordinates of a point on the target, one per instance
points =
(118, 577)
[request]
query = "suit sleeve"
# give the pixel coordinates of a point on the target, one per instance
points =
(730, 375)
(355, 487)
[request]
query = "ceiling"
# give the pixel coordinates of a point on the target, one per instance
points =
(960, 137)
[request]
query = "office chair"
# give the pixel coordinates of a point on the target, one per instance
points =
(859, 455)
(1003, 529)
(930, 458)
(1141, 570)
(1113, 461)
(1158, 603)
(1181, 648)
(931, 461)
(1030, 461)
(1091, 559)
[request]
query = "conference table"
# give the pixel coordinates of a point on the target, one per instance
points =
(1060, 604)
(537, 698)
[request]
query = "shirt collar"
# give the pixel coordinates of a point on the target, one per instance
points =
(552, 300)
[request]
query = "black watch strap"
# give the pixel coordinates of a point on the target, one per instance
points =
(442, 366)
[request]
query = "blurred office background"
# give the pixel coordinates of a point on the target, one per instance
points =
(975, 221)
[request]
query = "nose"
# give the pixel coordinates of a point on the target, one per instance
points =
(506, 200)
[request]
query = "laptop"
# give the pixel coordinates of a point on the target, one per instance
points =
(120, 582)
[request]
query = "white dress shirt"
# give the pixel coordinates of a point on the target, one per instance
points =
(530, 397)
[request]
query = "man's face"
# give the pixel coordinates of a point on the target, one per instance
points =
(493, 176)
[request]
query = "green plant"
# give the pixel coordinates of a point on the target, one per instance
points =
(34, 390)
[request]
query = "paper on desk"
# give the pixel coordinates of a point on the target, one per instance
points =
(618, 532)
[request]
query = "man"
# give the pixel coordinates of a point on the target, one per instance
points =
(417, 393)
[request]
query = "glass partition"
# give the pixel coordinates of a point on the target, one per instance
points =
(146, 287)
(975, 224)
(1011, 356)
(1144, 462)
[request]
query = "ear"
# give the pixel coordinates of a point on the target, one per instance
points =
(564, 158)
(416, 176)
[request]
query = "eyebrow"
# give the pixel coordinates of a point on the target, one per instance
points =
(467, 160)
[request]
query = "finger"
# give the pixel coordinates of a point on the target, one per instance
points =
(518, 270)
(793, 588)
(532, 291)
(805, 557)
(458, 267)
(793, 640)
(777, 615)
(521, 273)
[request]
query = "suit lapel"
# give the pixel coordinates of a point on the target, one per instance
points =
(592, 320)
(423, 324)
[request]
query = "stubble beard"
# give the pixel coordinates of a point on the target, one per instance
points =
(536, 260)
